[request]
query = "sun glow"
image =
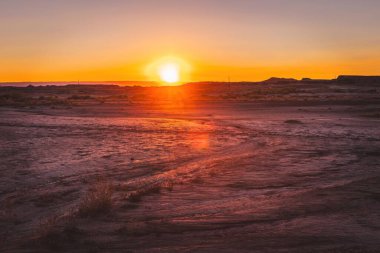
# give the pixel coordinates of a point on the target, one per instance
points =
(169, 71)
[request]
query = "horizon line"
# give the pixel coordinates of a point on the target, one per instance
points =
(181, 83)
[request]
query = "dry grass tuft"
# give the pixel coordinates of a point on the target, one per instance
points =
(48, 226)
(56, 232)
(7, 211)
(48, 233)
(97, 201)
(168, 185)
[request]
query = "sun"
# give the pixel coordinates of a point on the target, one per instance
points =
(170, 70)
(169, 73)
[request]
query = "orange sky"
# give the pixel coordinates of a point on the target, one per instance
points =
(97, 40)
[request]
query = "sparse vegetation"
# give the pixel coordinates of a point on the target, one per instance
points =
(168, 185)
(19, 99)
(47, 227)
(97, 201)
(134, 196)
(56, 232)
(7, 213)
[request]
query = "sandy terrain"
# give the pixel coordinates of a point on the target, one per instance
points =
(201, 177)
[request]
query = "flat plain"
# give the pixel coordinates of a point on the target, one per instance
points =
(280, 166)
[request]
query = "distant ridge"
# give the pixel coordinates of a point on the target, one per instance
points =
(63, 83)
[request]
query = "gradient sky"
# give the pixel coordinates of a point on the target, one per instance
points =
(57, 40)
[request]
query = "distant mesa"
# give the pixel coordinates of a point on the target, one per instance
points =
(277, 80)
(358, 79)
(345, 79)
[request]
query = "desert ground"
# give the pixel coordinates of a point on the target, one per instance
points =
(279, 166)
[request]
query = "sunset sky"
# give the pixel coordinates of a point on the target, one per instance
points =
(93, 40)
